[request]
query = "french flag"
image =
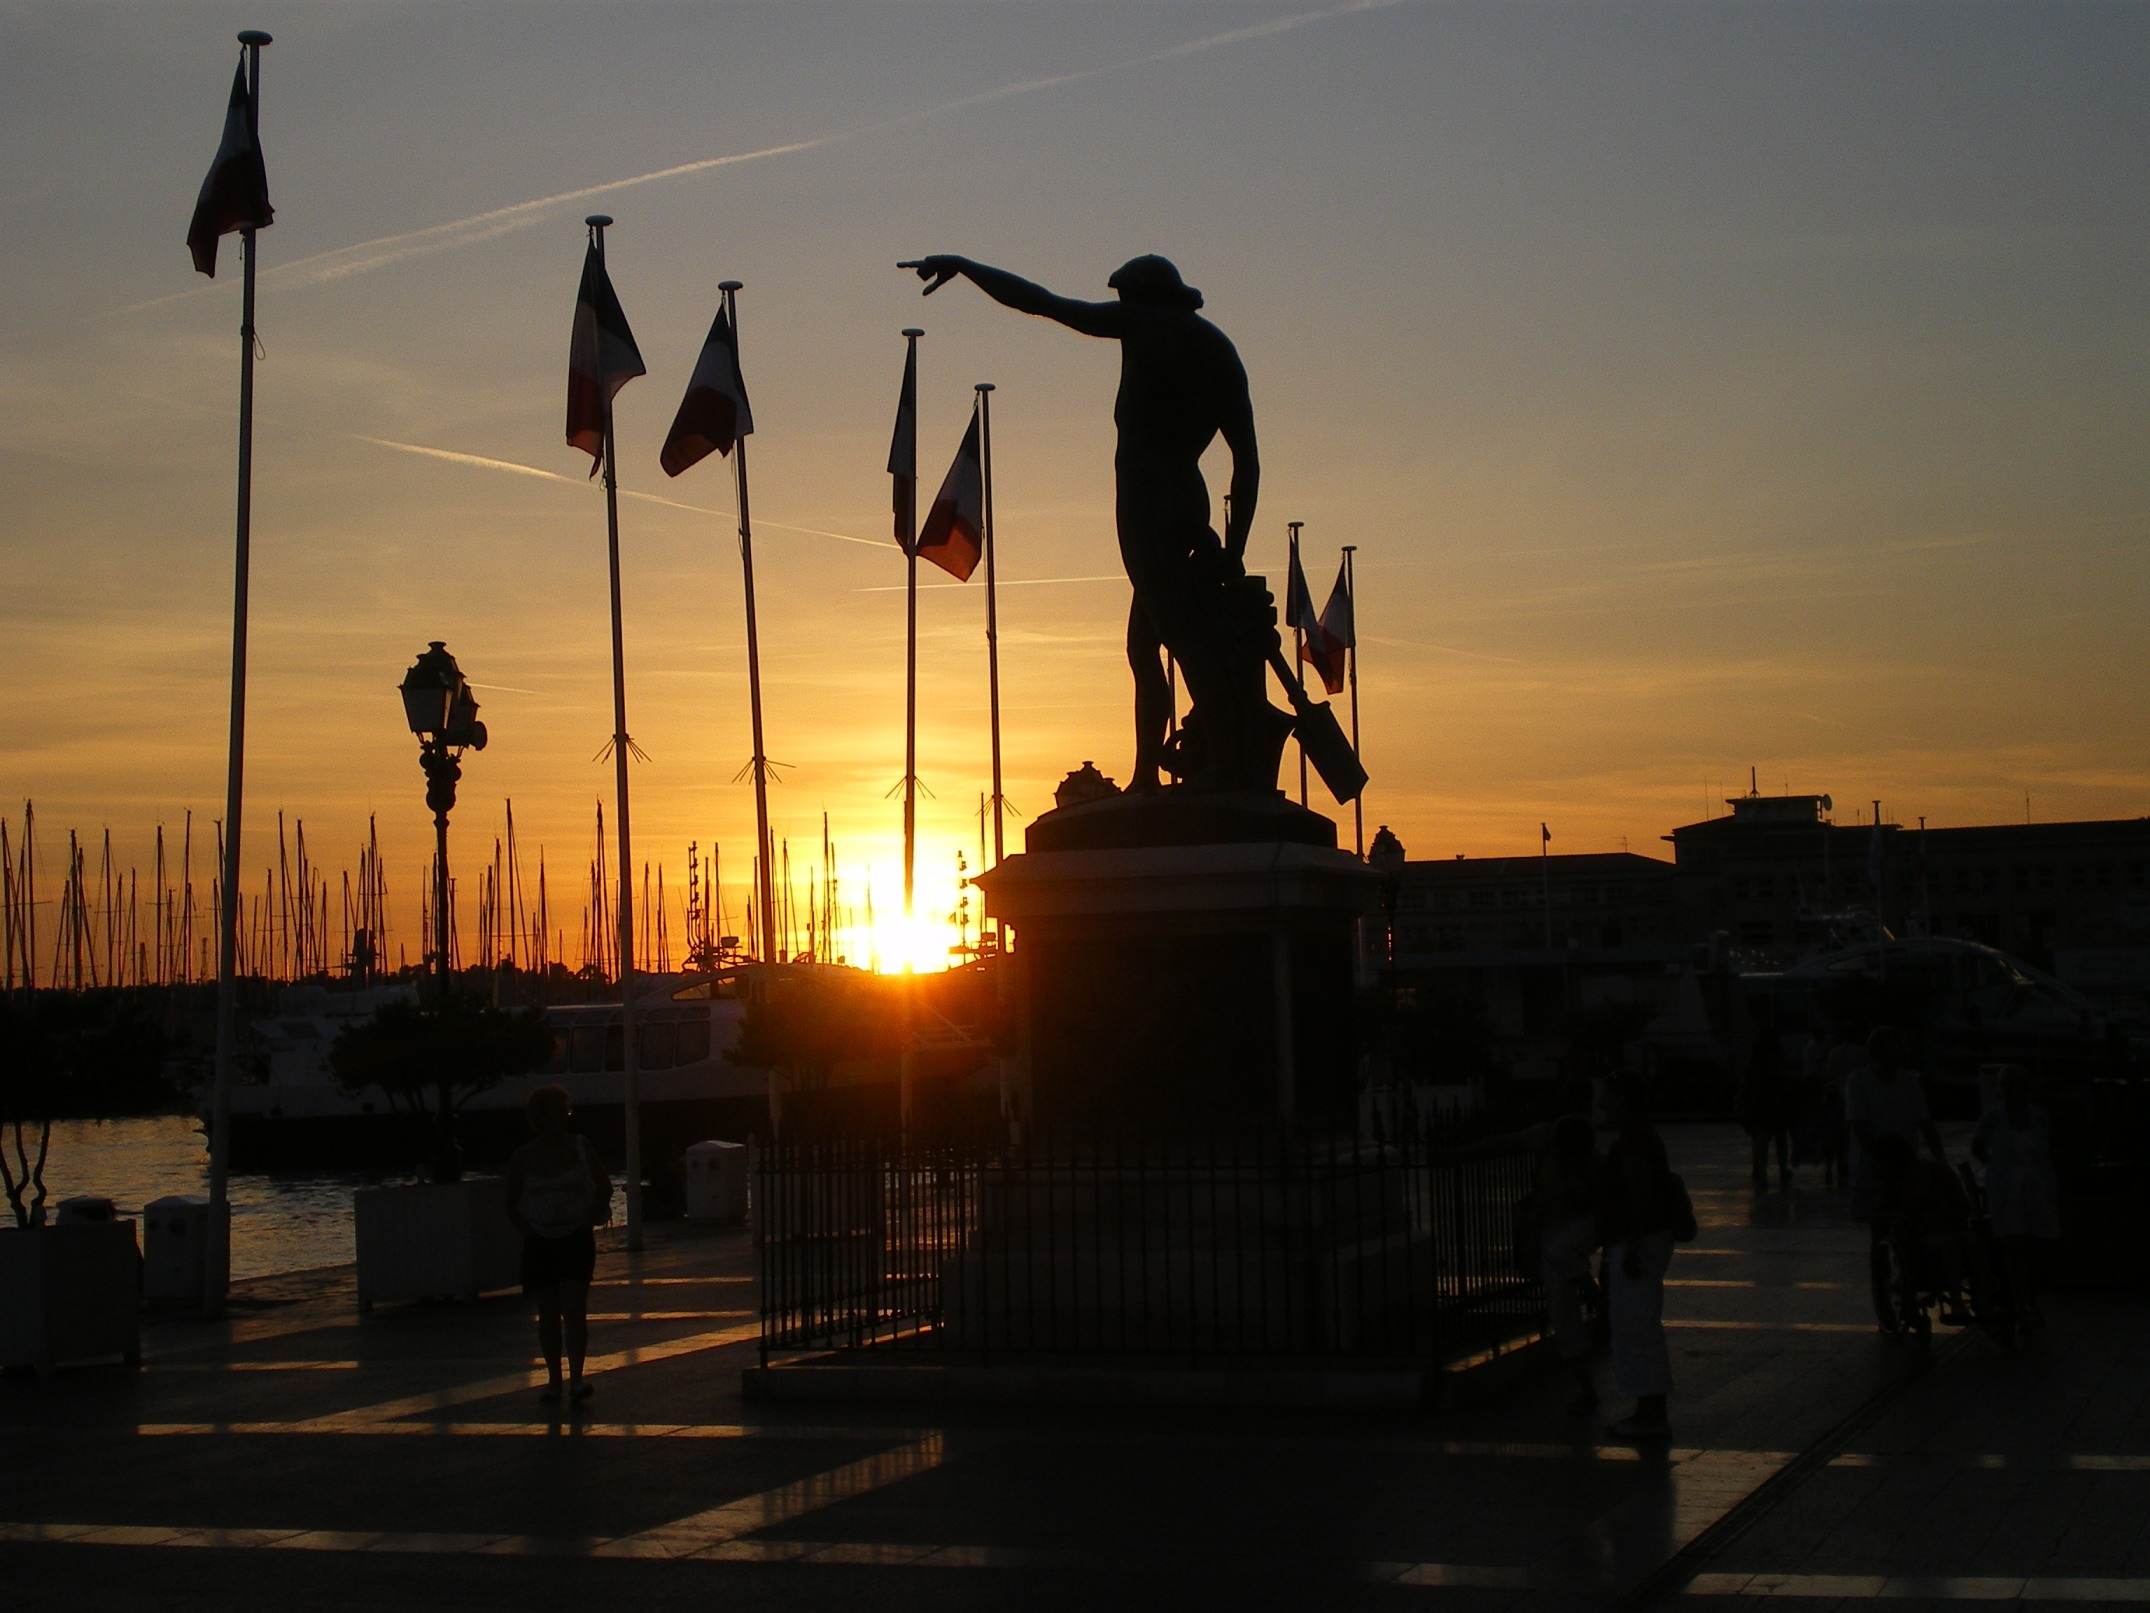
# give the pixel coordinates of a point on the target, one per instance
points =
(1314, 648)
(714, 414)
(903, 452)
(1336, 633)
(601, 358)
(235, 196)
(953, 537)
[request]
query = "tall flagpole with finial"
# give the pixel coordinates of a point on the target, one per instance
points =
(630, 1082)
(903, 468)
(1298, 637)
(216, 1266)
(759, 765)
(1358, 802)
(984, 390)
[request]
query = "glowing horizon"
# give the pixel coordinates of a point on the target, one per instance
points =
(1676, 433)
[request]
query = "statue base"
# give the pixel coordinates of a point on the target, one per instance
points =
(1183, 962)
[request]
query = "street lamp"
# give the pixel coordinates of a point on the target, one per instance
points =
(1386, 857)
(443, 713)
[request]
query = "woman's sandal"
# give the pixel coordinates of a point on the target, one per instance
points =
(582, 1392)
(550, 1394)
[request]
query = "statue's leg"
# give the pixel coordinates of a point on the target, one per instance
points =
(1170, 598)
(1175, 561)
(1153, 697)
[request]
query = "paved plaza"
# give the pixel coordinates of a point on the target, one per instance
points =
(296, 1456)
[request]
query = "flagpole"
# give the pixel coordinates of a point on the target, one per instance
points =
(631, 1083)
(1298, 644)
(216, 1267)
(909, 537)
(1545, 877)
(1358, 802)
(984, 390)
(906, 1065)
(760, 764)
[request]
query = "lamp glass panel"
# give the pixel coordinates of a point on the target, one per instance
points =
(425, 707)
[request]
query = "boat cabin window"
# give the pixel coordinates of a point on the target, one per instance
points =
(585, 1048)
(615, 1047)
(694, 1040)
(557, 1063)
(726, 987)
(658, 1045)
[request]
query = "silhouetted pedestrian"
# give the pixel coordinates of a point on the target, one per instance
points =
(2014, 1142)
(1767, 1102)
(1884, 1098)
(557, 1191)
(1823, 1137)
(1562, 1220)
(1638, 1204)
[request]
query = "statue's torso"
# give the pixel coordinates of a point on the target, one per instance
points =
(1178, 376)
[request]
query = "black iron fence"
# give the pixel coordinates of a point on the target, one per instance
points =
(1394, 1251)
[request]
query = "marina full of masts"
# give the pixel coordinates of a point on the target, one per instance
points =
(73, 917)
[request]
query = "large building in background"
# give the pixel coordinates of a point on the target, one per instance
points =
(1525, 949)
(1776, 874)
(1600, 900)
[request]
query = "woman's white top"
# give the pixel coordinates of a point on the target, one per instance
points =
(557, 1204)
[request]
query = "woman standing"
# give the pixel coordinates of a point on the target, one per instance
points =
(557, 1191)
(1637, 1207)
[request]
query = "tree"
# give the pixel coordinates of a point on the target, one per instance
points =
(431, 1062)
(66, 1054)
(803, 1025)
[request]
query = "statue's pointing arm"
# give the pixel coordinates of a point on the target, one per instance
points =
(1024, 296)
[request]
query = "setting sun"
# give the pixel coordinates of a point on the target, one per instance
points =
(924, 943)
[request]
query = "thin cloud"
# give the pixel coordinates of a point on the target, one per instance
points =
(509, 467)
(342, 262)
(1003, 582)
(1444, 649)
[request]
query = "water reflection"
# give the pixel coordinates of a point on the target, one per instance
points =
(281, 1221)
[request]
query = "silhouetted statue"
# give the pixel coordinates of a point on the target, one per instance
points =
(1181, 385)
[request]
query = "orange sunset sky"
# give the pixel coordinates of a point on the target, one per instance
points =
(1705, 385)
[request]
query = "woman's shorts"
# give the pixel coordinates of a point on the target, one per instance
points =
(549, 1262)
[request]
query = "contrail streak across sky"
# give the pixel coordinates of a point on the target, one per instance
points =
(363, 256)
(511, 468)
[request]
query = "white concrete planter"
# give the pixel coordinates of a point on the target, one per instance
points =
(70, 1293)
(446, 1241)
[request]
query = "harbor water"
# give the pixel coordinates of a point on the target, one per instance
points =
(280, 1221)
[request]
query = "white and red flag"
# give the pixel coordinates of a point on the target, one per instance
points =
(953, 537)
(601, 358)
(1298, 599)
(1337, 633)
(903, 452)
(714, 414)
(235, 196)
(1299, 613)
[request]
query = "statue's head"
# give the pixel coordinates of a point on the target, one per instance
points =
(1154, 280)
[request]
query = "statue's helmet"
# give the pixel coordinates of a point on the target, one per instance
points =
(1153, 279)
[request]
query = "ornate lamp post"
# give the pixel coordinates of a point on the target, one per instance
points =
(1386, 857)
(443, 713)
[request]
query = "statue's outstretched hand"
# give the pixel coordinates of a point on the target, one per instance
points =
(937, 270)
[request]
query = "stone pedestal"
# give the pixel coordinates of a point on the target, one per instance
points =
(71, 1292)
(449, 1240)
(1183, 963)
